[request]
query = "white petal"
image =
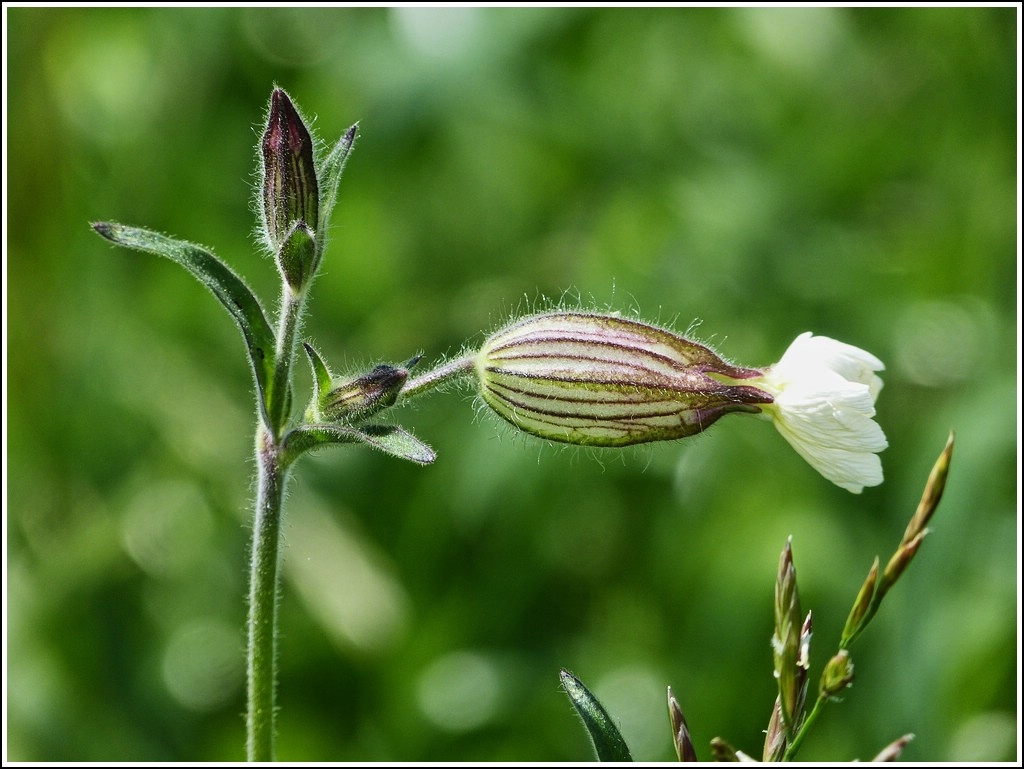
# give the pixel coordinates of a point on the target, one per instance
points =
(808, 353)
(824, 406)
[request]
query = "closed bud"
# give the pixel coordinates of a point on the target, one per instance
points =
(790, 642)
(900, 561)
(861, 606)
(353, 399)
(357, 399)
(685, 750)
(837, 675)
(775, 736)
(602, 380)
(289, 192)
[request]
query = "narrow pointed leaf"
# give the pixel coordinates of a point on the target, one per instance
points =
(330, 176)
(222, 281)
(608, 742)
(321, 374)
(390, 439)
(398, 442)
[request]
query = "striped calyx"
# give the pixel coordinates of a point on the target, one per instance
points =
(290, 193)
(602, 380)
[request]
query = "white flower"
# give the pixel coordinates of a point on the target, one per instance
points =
(824, 405)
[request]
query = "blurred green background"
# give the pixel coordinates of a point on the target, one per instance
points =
(761, 171)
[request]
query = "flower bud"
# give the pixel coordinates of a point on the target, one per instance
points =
(861, 606)
(364, 396)
(837, 675)
(790, 641)
(685, 750)
(602, 380)
(353, 399)
(289, 192)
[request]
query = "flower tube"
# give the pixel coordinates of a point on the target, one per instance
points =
(595, 379)
(603, 380)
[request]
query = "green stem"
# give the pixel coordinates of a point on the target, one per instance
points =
(287, 333)
(262, 651)
(805, 727)
(441, 375)
(266, 539)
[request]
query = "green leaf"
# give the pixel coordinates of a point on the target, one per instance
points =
(608, 742)
(321, 374)
(225, 284)
(329, 176)
(398, 442)
(390, 439)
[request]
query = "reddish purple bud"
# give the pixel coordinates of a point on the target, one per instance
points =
(290, 193)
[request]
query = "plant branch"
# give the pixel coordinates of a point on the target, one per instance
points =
(442, 375)
(262, 645)
(272, 469)
(292, 304)
(805, 727)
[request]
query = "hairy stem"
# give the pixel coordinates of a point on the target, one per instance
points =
(447, 372)
(287, 334)
(266, 539)
(262, 646)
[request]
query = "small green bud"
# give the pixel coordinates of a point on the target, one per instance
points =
(790, 642)
(791, 672)
(602, 380)
(290, 193)
(917, 529)
(837, 675)
(900, 561)
(861, 605)
(932, 494)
